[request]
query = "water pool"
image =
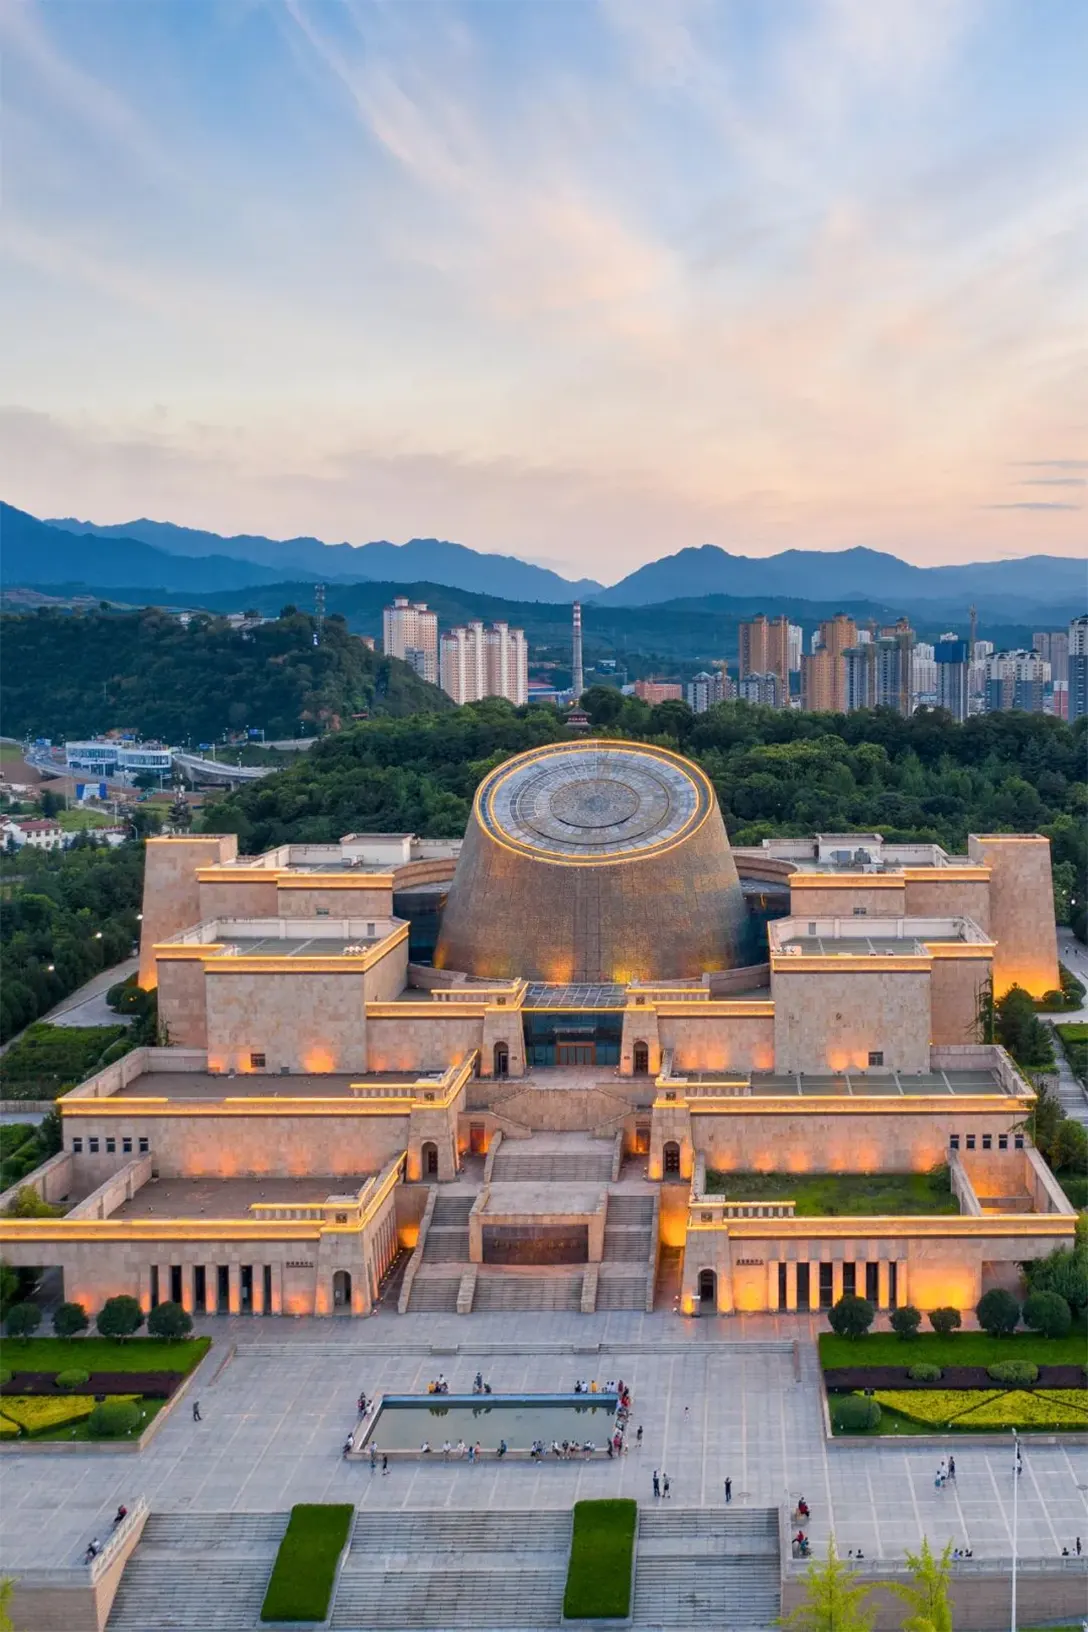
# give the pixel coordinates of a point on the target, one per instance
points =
(403, 1421)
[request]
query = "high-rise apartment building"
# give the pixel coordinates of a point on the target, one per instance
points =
(953, 667)
(479, 662)
(659, 691)
(1077, 661)
(823, 671)
(763, 689)
(1016, 680)
(705, 690)
(1053, 648)
(895, 668)
(796, 639)
(764, 647)
(408, 626)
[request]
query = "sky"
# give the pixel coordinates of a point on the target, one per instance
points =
(583, 281)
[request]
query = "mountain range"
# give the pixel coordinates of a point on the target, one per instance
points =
(148, 556)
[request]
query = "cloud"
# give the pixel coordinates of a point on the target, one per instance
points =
(1033, 504)
(1055, 481)
(1053, 464)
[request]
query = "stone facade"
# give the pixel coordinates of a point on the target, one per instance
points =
(1021, 916)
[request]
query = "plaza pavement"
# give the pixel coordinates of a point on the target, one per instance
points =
(715, 1398)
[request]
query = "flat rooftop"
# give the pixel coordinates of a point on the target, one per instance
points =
(205, 1085)
(232, 1198)
(885, 1085)
(862, 946)
(311, 946)
(542, 1200)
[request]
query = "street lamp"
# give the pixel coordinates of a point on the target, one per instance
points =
(1016, 1468)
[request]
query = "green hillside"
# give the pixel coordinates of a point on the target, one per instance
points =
(73, 675)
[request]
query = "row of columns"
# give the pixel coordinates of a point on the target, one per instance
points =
(212, 1305)
(883, 1283)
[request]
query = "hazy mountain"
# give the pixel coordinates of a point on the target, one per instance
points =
(31, 552)
(431, 559)
(831, 575)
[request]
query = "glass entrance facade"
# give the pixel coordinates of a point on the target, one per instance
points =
(557, 1038)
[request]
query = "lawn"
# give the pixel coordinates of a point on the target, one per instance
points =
(834, 1195)
(305, 1568)
(961, 1349)
(149, 1408)
(599, 1572)
(101, 1354)
(77, 821)
(974, 1410)
(47, 1059)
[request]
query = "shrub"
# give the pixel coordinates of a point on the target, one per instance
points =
(113, 1418)
(1023, 1410)
(305, 1568)
(1069, 1148)
(599, 1570)
(856, 1414)
(906, 1321)
(998, 1312)
(935, 1407)
(945, 1321)
(119, 1317)
(70, 1319)
(1065, 1271)
(1048, 1314)
(38, 1413)
(851, 1316)
(1013, 1371)
(169, 1320)
(72, 1378)
(924, 1372)
(23, 1320)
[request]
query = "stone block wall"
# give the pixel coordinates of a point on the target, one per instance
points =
(309, 1021)
(827, 1020)
(1021, 909)
(171, 900)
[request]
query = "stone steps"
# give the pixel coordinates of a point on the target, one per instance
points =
(629, 1210)
(627, 1245)
(198, 1572)
(743, 1595)
(409, 1596)
(730, 1525)
(621, 1292)
(439, 1530)
(198, 1531)
(434, 1294)
(551, 1167)
(446, 1246)
(451, 1211)
(512, 1293)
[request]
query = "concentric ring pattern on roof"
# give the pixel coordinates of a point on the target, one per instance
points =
(593, 802)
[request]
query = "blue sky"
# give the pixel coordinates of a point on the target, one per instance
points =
(584, 282)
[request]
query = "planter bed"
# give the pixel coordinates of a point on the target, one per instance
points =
(153, 1385)
(849, 1378)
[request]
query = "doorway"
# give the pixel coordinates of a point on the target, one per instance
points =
(501, 1063)
(708, 1291)
(672, 1159)
(477, 1139)
(429, 1159)
(575, 1053)
(641, 1060)
(341, 1290)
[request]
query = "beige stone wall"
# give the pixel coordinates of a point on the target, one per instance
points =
(827, 1020)
(308, 1021)
(226, 897)
(937, 897)
(955, 988)
(838, 1141)
(883, 898)
(362, 900)
(183, 1017)
(387, 978)
(171, 894)
(743, 1043)
(422, 1042)
(1021, 910)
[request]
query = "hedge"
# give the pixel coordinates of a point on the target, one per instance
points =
(601, 1551)
(1014, 1371)
(924, 1372)
(73, 1378)
(115, 1417)
(1019, 1409)
(855, 1413)
(38, 1413)
(305, 1568)
(934, 1406)
(1053, 1408)
(9, 1429)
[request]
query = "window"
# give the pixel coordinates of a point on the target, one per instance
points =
(987, 1141)
(1018, 1141)
(111, 1147)
(126, 1146)
(1002, 1141)
(970, 1141)
(77, 1147)
(812, 929)
(827, 1284)
(92, 1146)
(145, 1146)
(861, 912)
(321, 912)
(954, 1141)
(876, 1056)
(257, 1062)
(872, 1283)
(849, 1280)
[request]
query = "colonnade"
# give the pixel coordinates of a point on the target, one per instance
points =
(891, 1283)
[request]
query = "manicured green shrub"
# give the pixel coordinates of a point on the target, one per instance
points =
(39, 1413)
(855, 1413)
(120, 1317)
(113, 1418)
(905, 1322)
(934, 1407)
(72, 1378)
(851, 1316)
(70, 1319)
(23, 1320)
(9, 1429)
(1045, 1409)
(1013, 1371)
(998, 1312)
(169, 1320)
(305, 1568)
(1064, 1271)
(599, 1571)
(923, 1372)
(1048, 1314)
(945, 1321)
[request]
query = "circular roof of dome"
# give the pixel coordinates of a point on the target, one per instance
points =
(587, 803)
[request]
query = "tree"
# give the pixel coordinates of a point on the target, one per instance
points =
(23, 1320)
(7, 1587)
(928, 1593)
(1044, 1119)
(998, 1312)
(120, 1317)
(906, 1320)
(169, 1320)
(52, 803)
(945, 1321)
(1069, 1146)
(70, 1319)
(1048, 1314)
(10, 1282)
(1064, 1271)
(833, 1601)
(851, 1316)
(1018, 1028)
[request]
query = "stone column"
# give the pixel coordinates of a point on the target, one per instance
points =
(145, 1288)
(883, 1277)
(772, 1285)
(258, 1289)
(836, 1280)
(791, 1287)
(277, 1289)
(165, 1279)
(814, 1286)
(902, 1293)
(211, 1289)
(235, 1301)
(188, 1290)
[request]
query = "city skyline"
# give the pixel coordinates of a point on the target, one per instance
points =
(584, 285)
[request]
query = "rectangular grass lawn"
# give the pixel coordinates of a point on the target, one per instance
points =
(102, 1354)
(599, 1572)
(305, 1567)
(961, 1349)
(841, 1195)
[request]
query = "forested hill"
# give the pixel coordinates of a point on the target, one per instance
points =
(73, 676)
(925, 778)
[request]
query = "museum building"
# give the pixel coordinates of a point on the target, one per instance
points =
(517, 1071)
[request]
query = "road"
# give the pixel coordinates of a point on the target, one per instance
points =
(1071, 1092)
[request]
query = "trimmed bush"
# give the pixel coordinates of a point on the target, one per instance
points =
(934, 1407)
(945, 1321)
(923, 1372)
(70, 1320)
(1048, 1314)
(9, 1429)
(851, 1316)
(72, 1378)
(113, 1418)
(855, 1413)
(998, 1312)
(120, 1317)
(169, 1320)
(23, 1320)
(1043, 1410)
(305, 1568)
(599, 1571)
(905, 1322)
(1013, 1371)
(39, 1413)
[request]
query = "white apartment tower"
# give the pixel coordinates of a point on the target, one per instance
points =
(408, 627)
(479, 663)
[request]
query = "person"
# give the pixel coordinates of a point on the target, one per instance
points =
(1078, 1546)
(461, 1447)
(196, 1412)
(349, 1445)
(1065, 1552)
(373, 1457)
(502, 1447)
(476, 1449)
(593, 1386)
(657, 1483)
(94, 1547)
(385, 1463)
(122, 1513)
(803, 1508)
(951, 1467)
(425, 1448)
(446, 1449)
(478, 1383)
(665, 1484)
(611, 1451)
(487, 1388)
(638, 1438)
(362, 1405)
(728, 1491)
(472, 1453)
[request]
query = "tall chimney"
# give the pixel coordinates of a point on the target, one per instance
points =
(577, 678)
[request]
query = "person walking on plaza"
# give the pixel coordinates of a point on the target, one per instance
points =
(657, 1484)
(385, 1463)
(664, 1484)
(952, 1467)
(728, 1491)
(196, 1412)
(638, 1438)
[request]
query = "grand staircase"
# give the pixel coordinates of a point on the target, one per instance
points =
(707, 1567)
(198, 1572)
